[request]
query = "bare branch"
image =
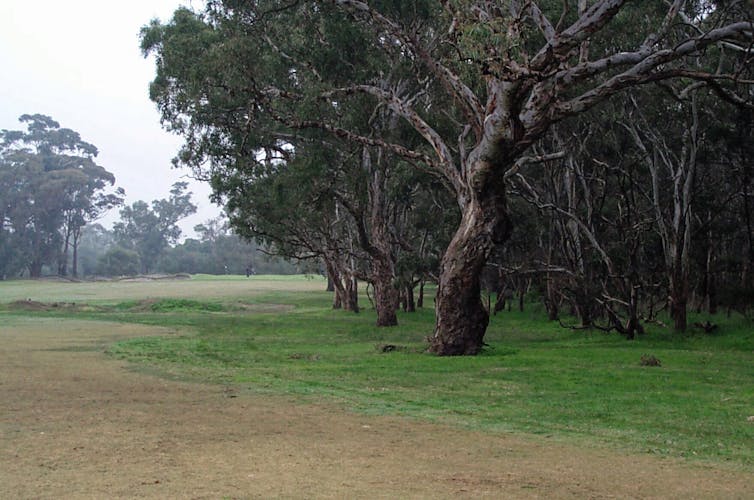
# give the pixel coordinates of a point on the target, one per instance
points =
(644, 63)
(597, 16)
(543, 23)
(526, 160)
(452, 83)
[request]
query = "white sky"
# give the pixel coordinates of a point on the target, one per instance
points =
(79, 62)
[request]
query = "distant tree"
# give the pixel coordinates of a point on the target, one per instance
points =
(150, 230)
(118, 261)
(94, 242)
(220, 251)
(50, 187)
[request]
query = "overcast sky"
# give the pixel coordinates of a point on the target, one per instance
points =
(79, 62)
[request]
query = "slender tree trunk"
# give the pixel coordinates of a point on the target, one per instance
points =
(410, 304)
(352, 294)
(63, 259)
(551, 304)
(521, 297)
(461, 318)
(75, 268)
(75, 263)
(420, 298)
(678, 300)
(35, 269)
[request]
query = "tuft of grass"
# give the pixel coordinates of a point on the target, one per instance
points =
(184, 305)
(534, 377)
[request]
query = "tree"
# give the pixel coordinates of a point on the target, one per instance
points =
(149, 230)
(50, 187)
(488, 80)
(118, 261)
(95, 241)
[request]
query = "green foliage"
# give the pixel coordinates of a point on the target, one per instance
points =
(50, 187)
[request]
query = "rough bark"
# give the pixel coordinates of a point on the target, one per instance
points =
(461, 318)
(379, 243)
(385, 294)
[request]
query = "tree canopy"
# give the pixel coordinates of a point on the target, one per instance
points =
(50, 187)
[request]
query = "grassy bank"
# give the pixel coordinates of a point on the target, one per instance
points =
(280, 336)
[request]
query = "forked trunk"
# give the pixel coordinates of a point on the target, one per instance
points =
(461, 318)
(345, 291)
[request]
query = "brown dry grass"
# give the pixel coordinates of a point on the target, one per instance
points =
(77, 424)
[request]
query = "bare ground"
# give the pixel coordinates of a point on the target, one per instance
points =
(76, 424)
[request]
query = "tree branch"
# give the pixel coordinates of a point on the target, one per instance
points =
(452, 83)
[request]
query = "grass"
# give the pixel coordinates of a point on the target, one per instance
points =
(535, 377)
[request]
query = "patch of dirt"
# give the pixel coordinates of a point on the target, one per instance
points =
(77, 424)
(33, 305)
(143, 278)
(265, 308)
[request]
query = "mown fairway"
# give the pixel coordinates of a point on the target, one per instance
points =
(279, 336)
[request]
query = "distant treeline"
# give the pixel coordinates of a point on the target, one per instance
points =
(52, 191)
(215, 251)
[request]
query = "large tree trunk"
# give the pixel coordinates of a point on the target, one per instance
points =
(461, 318)
(385, 294)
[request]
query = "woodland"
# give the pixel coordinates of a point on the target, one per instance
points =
(596, 155)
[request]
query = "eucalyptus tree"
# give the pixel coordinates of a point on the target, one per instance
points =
(50, 187)
(148, 230)
(487, 81)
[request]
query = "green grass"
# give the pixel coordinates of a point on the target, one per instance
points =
(535, 377)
